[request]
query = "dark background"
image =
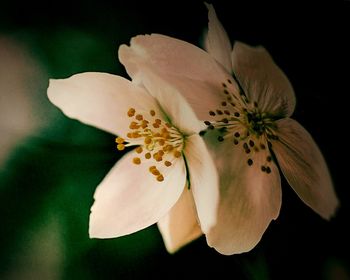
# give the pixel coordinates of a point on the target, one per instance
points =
(48, 177)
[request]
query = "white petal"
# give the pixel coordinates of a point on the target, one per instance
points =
(130, 198)
(176, 108)
(305, 168)
(217, 42)
(204, 181)
(249, 199)
(100, 99)
(263, 81)
(171, 56)
(180, 226)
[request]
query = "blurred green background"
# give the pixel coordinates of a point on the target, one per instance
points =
(50, 165)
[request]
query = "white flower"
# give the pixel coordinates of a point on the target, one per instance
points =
(168, 178)
(246, 101)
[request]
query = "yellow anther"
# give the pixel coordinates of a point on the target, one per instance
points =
(157, 134)
(158, 158)
(136, 160)
(144, 124)
(161, 153)
(120, 147)
(155, 125)
(131, 112)
(161, 142)
(158, 121)
(139, 117)
(152, 168)
(134, 125)
(160, 178)
(167, 163)
(177, 154)
(155, 172)
(164, 130)
(129, 135)
(168, 148)
(168, 125)
(148, 140)
(152, 112)
(119, 140)
(139, 150)
(148, 155)
(136, 135)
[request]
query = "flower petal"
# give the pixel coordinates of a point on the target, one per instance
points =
(249, 199)
(100, 99)
(217, 42)
(172, 102)
(305, 168)
(130, 198)
(180, 226)
(204, 181)
(263, 81)
(171, 56)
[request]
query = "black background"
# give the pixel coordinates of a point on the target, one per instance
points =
(307, 42)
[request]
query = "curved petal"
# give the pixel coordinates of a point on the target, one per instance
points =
(171, 56)
(100, 99)
(204, 181)
(263, 81)
(180, 226)
(305, 168)
(172, 102)
(130, 198)
(249, 198)
(217, 42)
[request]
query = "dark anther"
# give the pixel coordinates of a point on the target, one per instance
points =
(223, 103)
(233, 104)
(262, 146)
(224, 120)
(237, 134)
(263, 168)
(251, 143)
(235, 141)
(211, 126)
(229, 81)
(224, 85)
(207, 122)
(227, 112)
(268, 170)
(237, 114)
(220, 138)
(247, 151)
(226, 91)
(269, 158)
(250, 162)
(211, 113)
(269, 144)
(202, 132)
(219, 112)
(245, 146)
(255, 104)
(223, 129)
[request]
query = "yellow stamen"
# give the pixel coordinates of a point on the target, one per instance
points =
(160, 178)
(139, 117)
(152, 112)
(167, 163)
(119, 140)
(139, 150)
(136, 160)
(148, 155)
(131, 112)
(120, 147)
(177, 154)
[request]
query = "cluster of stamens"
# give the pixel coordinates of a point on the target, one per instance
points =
(159, 142)
(238, 120)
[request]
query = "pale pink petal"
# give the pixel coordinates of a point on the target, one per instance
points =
(130, 198)
(249, 198)
(204, 181)
(171, 56)
(180, 226)
(305, 168)
(262, 80)
(174, 105)
(101, 100)
(217, 42)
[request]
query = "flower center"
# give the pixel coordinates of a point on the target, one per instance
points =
(159, 142)
(241, 121)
